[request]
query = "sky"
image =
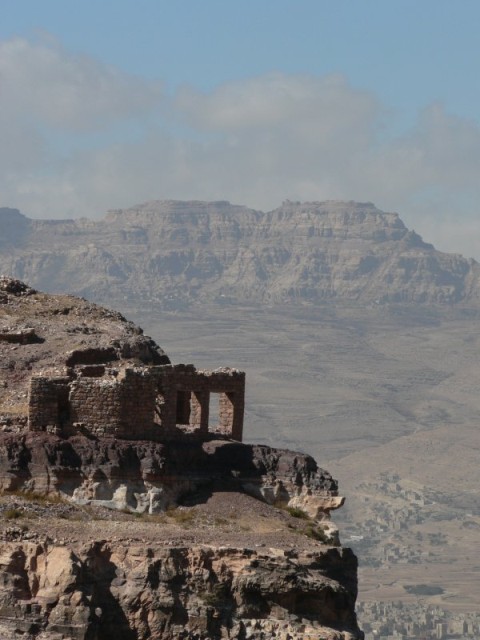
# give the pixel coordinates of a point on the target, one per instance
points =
(109, 104)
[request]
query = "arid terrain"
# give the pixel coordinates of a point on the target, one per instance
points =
(225, 566)
(390, 405)
(360, 343)
(155, 527)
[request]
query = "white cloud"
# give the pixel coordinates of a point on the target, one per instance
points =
(255, 142)
(305, 104)
(43, 83)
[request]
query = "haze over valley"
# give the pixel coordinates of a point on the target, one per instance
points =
(359, 340)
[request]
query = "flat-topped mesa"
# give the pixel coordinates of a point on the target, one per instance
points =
(178, 253)
(136, 403)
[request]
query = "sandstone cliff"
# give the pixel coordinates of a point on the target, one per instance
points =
(179, 252)
(148, 477)
(107, 590)
(225, 565)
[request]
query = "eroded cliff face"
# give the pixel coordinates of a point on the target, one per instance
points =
(182, 252)
(147, 477)
(105, 591)
(196, 537)
(250, 553)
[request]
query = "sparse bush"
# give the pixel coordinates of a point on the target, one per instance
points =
(295, 512)
(38, 498)
(216, 596)
(316, 533)
(13, 514)
(181, 516)
(158, 518)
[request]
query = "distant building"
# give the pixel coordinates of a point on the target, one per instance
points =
(136, 403)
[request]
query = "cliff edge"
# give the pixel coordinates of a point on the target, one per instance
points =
(188, 534)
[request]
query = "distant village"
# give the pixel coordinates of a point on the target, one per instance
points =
(379, 541)
(399, 621)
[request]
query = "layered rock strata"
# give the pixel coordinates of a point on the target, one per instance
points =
(260, 572)
(105, 591)
(179, 252)
(147, 477)
(193, 537)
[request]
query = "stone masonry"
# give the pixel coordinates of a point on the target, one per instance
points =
(138, 403)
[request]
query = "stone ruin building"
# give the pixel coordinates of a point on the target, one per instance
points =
(127, 390)
(138, 402)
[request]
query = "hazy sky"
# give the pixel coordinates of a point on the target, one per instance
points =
(110, 103)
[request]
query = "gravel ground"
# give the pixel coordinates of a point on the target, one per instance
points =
(221, 519)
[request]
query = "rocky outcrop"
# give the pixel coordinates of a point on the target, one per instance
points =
(105, 591)
(148, 477)
(47, 334)
(265, 562)
(151, 585)
(178, 252)
(154, 584)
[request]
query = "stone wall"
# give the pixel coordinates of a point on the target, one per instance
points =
(48, 403)
(230, 385)
(138, 393)
(22, 336)
(138, 403)
(186, 396)
(96, 405)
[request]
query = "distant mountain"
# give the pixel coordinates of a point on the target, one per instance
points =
(178, 252)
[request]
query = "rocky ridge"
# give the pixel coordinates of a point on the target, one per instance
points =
(190, 538)
(40, 332)
(181, 252)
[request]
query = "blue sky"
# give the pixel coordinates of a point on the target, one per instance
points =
(107, 104)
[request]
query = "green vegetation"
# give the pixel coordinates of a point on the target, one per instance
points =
(316, 533)
(216, 597)
(181, 516)
(13, 514)
(423, 589)
(295, 512)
